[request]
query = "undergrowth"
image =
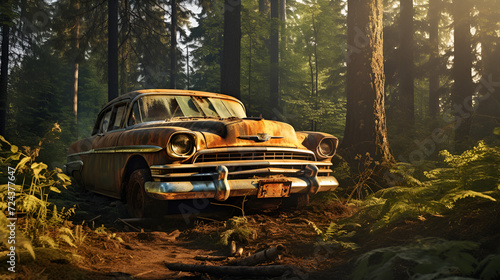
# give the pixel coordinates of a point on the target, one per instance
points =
(429, 258)
(34, 182)
(475, 173)
(236, 229)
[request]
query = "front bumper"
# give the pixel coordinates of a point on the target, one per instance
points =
(221, 188)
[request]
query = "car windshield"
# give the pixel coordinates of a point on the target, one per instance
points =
(165, 107)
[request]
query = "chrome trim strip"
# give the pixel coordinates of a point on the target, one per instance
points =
(239, 187)
(122, 149)
(138, 149)
(240, 163)
(251, 149)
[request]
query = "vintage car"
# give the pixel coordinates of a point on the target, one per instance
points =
(162, 145)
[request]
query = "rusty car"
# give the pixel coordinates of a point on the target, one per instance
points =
(161, 145)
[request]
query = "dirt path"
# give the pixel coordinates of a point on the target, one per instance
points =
(110, 249)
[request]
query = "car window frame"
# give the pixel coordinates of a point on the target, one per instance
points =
(101, 116)
(113, 115)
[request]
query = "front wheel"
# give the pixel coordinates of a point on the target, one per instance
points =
(137, 200)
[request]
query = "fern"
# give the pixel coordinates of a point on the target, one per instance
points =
(429, 258)
(489, 268)
(473, 174)
(79, 235)
(236, 229)
(46, 241)
(337, 234)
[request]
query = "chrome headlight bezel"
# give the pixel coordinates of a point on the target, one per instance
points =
(327, 147)
(174, 151)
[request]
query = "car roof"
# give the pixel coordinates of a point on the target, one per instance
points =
(134, 94)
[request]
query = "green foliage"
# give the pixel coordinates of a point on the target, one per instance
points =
(34, 183)
(489, 268)
(236, 229)
(426, 259)
(338, 234)
(475, 173)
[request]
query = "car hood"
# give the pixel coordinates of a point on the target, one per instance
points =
(242, 132)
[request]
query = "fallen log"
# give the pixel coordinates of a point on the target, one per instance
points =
(260, 257)
(211, 258)
(271, 270)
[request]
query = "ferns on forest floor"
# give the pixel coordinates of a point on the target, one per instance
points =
(475, 173)
(429, 258)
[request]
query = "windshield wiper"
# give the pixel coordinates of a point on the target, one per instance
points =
(193, 118)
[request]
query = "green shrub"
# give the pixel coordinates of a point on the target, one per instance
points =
(33, 184)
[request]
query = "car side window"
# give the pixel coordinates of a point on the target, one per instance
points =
(135, 115)
(120, 112)
(103, 125)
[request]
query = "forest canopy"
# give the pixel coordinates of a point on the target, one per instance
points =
(440, 76)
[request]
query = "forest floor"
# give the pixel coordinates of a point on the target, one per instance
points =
(109, 249)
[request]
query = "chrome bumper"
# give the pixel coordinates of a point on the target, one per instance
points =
(221, 188)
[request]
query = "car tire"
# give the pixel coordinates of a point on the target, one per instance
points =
(138, 202)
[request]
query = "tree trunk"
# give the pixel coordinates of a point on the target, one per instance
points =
(366, 130)
(112, 49)
(463, 87)
(76, 68)
(125, 49)
(316, 65)
(187, 67)
(433, 16)
(173, 45)
(230, 68)
(283, 23)
(311, 71)
(274, 97)
(4, 73)
(487, 116)
(264, 7)
(406, 89)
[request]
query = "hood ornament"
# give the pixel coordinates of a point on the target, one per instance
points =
(260, 137)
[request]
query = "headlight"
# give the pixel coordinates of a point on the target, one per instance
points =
(327, 147)
(181, 145)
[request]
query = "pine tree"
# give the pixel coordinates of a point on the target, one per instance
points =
(366, 130)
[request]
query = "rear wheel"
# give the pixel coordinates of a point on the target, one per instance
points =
(138, 203)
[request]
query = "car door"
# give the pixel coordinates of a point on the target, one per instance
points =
(104, 160)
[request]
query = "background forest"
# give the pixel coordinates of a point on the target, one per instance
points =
(440, 64)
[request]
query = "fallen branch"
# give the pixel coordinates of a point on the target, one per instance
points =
(95, 218)
(260, 257)
(211, 258)
(129, 225)
(271, 270)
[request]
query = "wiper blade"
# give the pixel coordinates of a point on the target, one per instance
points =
(193, 118)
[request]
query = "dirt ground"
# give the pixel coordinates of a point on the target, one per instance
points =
(108, 248)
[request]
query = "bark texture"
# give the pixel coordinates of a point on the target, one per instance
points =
(462, 66)
(406, 88)
(366, 130)
(112, 49)
(231, 64)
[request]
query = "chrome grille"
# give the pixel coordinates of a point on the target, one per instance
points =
(254, 155)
